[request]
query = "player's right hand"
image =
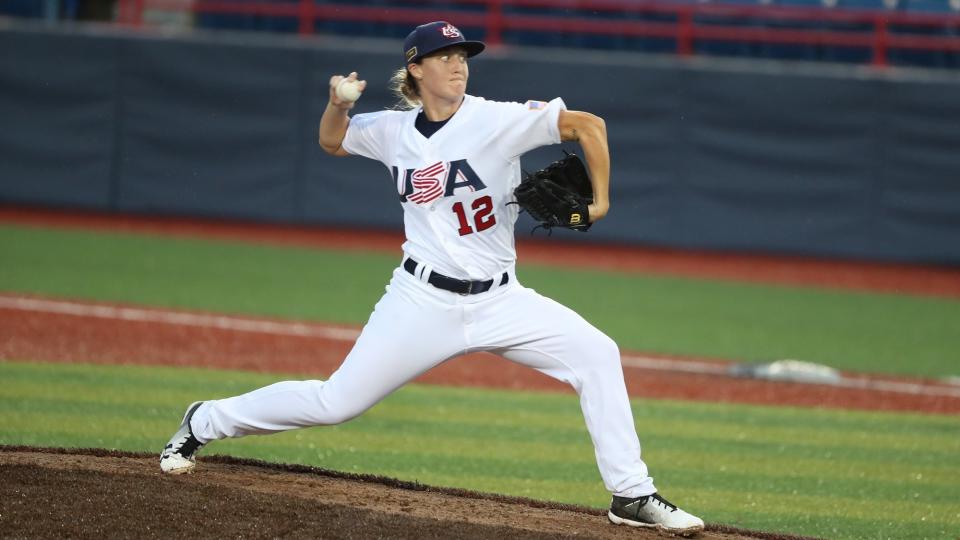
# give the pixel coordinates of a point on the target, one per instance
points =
(340, 103)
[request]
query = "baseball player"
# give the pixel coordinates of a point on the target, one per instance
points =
(455, 162)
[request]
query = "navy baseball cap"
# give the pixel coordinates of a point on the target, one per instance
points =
(434, 36)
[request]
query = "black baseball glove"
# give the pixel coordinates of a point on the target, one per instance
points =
(558, 194)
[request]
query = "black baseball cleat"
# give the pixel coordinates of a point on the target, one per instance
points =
(177, 455)
(655, 512)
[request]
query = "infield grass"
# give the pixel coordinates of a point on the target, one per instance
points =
(860, 331)
(830, 473)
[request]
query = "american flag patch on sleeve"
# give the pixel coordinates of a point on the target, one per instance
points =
(536, 105)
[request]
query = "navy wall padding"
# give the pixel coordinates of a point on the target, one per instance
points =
(349, 191)
(808, 164)
(209, 131)
(58, 101)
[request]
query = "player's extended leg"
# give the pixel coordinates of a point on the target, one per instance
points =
(545, 335)
(403, 338)
(540, 333)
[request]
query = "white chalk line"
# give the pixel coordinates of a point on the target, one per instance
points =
(894, 386)
(237, 324)
(665, 364)
(706, 368)
(220, 322)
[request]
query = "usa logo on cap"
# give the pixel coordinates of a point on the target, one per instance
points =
(450, 31)
(434, 36)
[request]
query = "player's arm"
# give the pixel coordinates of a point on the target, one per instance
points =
(334, 122)
(591, 132)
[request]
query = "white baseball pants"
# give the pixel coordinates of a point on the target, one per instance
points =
(416, 326)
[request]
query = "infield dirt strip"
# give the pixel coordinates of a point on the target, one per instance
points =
(54, 330)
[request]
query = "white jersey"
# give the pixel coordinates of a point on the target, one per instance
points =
(455, 185)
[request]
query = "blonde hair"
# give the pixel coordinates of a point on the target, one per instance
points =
(404, 86)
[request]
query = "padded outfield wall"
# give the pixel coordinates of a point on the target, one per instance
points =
(790, 159)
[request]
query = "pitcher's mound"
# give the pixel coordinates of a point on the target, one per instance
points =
(51, 493)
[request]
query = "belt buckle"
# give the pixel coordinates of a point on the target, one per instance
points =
(469, 287)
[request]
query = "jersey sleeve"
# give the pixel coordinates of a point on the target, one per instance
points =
(367, 135)
(525, 126)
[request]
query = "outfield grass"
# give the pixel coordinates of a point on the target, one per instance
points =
(883, 333)
(830, 473)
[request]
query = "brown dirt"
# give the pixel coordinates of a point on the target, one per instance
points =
(857, 275)
(105, 494)
(70, 338)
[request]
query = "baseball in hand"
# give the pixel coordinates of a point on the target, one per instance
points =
(348, 90)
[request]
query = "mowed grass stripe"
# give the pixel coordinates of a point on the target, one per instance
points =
(405, 455)
(535, 445)
(886, 440)
(841, 433)
(835, 518)
(800, 417)
(858, 331)
(510, 439)
(189, 273)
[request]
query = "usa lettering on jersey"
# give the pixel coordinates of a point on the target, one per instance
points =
(465, 174)
(441, 179)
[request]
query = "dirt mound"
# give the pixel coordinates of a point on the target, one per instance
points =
(90, 493)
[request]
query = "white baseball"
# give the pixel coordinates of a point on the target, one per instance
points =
(348, 90)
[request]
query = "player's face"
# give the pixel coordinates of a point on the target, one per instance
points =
(445, 73)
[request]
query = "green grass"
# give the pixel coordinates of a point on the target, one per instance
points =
(831, 473)
(882, 333)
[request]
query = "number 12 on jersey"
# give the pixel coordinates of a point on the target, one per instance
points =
(483, 217)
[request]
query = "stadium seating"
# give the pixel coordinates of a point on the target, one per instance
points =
(584, 12)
